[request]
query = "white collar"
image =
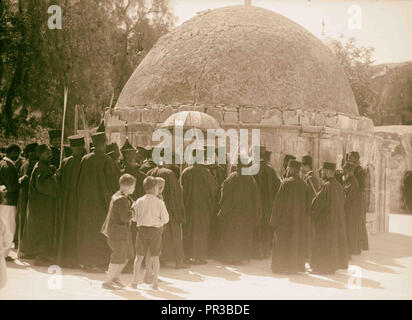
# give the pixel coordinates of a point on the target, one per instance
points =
(9, 160)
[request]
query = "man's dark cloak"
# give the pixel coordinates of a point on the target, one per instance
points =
(40, 224)
(238, 216)
(199, 196)
(55, 160)
(353, 207)
(289, 219)
(268, 185)
(25, 171)
(314, 185)
(147, 165)
(172, 245)
(9, 178)
(219, 174)
(67, 211)
(98, 181)
(360, 175)
(329, 250)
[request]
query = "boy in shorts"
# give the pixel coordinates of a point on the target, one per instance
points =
(150, 215)
(118, 232)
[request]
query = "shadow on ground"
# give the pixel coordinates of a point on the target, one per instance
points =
(383, 257)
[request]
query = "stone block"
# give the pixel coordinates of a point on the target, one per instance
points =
(165, 113)
(306, 118)
(149, 116)
(346, 123)
(186, 108)
(272, 117)
(200, 108)
(114, 120)
(215, 112)
(250, 115)
(133, 115)
(319, 119)
(227, 108)
(290, 118)
(332, 121)
(230, 117)
(365, 125)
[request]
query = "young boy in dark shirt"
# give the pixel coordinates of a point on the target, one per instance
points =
(117, 230)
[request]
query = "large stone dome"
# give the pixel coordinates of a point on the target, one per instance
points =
(241, 55)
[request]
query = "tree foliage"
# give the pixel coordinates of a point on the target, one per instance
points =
(356, 61)
(100, 44)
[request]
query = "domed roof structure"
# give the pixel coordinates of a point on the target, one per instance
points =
(241, 55)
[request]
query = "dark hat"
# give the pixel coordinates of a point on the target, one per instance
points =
(307, 160)
(42, 148)
(355, 155)
(101, 127)
(294, 164)
(76, 141)
(55, 133)
(98, 138)
(146, 152)
(127, 146)
(244, 161)
(287, 158)
(128, 152)
(112, 148)
(350, 166)
(12, 148)
(266, 155)
(329, 165)
(127, 149)
(31, 147)
(67, 151)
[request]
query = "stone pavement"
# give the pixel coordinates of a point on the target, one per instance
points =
(383, 272)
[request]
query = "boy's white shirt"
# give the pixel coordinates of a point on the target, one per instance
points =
(163, 216)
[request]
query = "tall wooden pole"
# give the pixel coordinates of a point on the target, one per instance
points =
(64, 117)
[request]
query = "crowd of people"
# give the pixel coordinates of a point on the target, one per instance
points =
(98, 211)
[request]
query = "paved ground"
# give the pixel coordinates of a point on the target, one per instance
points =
(384, 272)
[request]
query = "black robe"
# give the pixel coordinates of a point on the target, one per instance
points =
(25, 172)
(289, 220)
(330, 250)
(40, 224)
(199, 196)
(55, 160)
(147, 165)
(353, 208)
(238, 215)
(98, 181)
(360, 175)
(172, 245)
(268, 184)
(219, 173)
(314, 186)
(67, 213)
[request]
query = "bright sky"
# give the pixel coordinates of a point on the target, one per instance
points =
(385, 25)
